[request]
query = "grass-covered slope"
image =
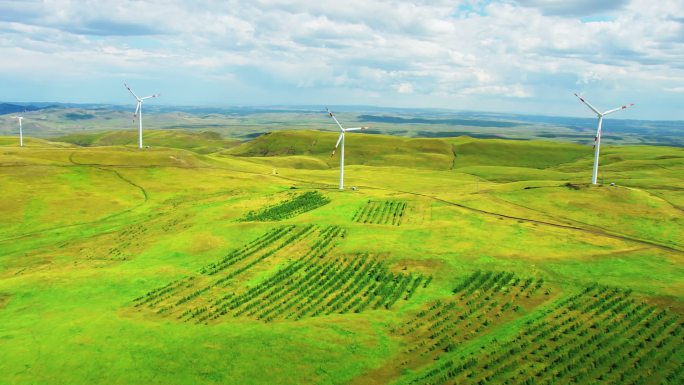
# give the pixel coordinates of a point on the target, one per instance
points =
(203, 142)
(529, 154)
(123, 266)
(372, 150)
(12, 141)
(436, 153)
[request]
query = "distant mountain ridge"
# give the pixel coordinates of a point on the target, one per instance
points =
(7, 108)
(245, 122)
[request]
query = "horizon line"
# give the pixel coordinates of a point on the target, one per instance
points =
(322, 106)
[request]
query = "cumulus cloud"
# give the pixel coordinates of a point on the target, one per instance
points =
(405, 88)
(438, 53)
(588, 77)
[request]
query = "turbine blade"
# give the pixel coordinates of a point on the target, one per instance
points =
(355, 129)
(151, 96)
(588, 105)
(137, 109)
(131, 91)
(334, 118)
(337, 144)
(626, 106)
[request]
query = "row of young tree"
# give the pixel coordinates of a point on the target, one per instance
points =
(381, 212)
(598, 335)
(480, 301)
(313, 286)
(217, 277)
(288, 208)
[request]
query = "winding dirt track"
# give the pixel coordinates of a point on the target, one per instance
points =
(113, 215)
(594, 232)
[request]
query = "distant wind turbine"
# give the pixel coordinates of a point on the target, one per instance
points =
(597, 138)
(21, 133)
(341, 139)
(138, 112)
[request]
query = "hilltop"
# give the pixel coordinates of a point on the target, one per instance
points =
(8, 108)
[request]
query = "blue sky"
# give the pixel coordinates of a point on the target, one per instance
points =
(525, 56)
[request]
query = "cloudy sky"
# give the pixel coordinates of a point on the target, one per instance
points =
(525, 56)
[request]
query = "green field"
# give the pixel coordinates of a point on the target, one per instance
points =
(456, 260)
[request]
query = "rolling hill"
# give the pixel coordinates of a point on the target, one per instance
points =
(201, 142)
(456, 260)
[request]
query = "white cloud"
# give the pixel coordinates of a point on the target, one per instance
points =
(405, 88)
(525, 49)
(588, 77)
(514, 91)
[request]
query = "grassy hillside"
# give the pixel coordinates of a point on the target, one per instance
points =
(457, 260)
(378, 150)
(440, 154)
(31, 142)
(203, 142)
(533, 154)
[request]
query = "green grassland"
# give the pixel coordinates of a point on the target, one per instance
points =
(456, 260)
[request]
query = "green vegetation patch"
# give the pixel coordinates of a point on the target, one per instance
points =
(600, 334)
(381, 212)
(289, 208)
(482, 302)
(312, 285)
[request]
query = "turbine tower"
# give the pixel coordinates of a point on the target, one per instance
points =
(21, 133)
(138, 112)
(597, 138)
(341, 139)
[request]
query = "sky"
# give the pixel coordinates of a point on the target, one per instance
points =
(525, 56)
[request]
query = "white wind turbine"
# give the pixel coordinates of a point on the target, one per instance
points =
(597, 138)
(21, 133)
(341, 139)
(138, 112)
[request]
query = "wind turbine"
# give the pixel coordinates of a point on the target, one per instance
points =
(597, 138)
(138, 112)
(21, 134)
(341, 139)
